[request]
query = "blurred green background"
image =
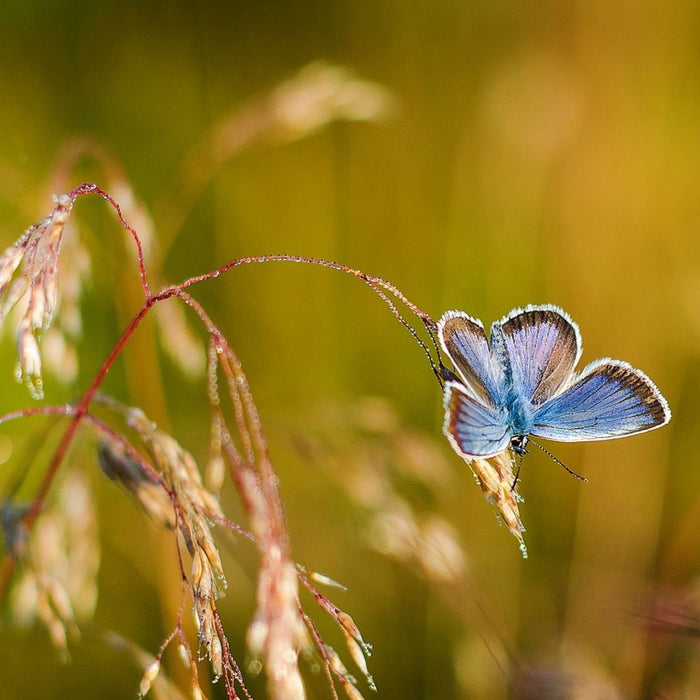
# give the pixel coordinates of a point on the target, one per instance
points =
(513, 154)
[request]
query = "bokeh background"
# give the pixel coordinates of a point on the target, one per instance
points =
(479, 155)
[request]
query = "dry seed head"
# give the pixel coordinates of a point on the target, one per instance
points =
(58, 582)
(290, 686)
(137, 420)
(36, 307)
(216, 656)
(352, 692)
(59, 598)
(76, 502)
(395, 532)
(124, 469)
(249, 485)
(204, 594)
(24, 599)
(28, 367)
(55, 626)
(487, 477)
(9, 262)
(336, 662)
(346, 679)
(496, 478)
(180, 471)
(206, 543)
(348, 624)
(215, 473)
(10, 300)
(197, 693)
(150, 674)
(325, 580)
(49, 302)
(277, 632)
(357, 654)
(178, 339)
(258, 632)
(201, 576)
(175, 463)
(184, 654)
(38, 249)
(440, 554)
(197, 620)
(207, 631)
(321, 93)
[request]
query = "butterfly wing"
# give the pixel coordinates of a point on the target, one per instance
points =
(473, 428)
(541, 345)
(610, 399)
(464, 341)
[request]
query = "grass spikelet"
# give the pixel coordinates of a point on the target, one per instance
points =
(495, 476)
(37, 250)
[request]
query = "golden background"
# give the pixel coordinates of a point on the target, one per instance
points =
(501, 154)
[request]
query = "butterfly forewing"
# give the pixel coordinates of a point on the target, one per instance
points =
(473, 428)
(610, 399)
(542, 346)
(464, 340)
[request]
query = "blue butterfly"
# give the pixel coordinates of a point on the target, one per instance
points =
(522, 382)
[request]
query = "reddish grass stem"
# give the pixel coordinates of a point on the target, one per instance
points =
(269, 528)
(90, 188)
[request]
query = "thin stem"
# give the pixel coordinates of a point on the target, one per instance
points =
(371, 280)
(249, 416)
(89, 188)
(377, 284)
(67, 410)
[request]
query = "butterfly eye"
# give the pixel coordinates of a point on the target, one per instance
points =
(517, 444)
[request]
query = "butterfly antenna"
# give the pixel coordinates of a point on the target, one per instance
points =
(426, 350)
(517, 471)
(554, 459)
(429, 324)
(437, 369)
(442, 373)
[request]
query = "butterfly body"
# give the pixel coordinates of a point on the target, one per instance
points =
(521, 381)
(520, 414)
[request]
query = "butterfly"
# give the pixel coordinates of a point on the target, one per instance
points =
(522, 382)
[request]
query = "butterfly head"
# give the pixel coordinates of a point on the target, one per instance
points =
(518, 444)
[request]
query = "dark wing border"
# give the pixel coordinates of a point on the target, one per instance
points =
(540, 346)
(609, 399)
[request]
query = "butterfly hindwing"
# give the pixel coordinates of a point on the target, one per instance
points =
(610, 399)
(542, 346)
(474, 429)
